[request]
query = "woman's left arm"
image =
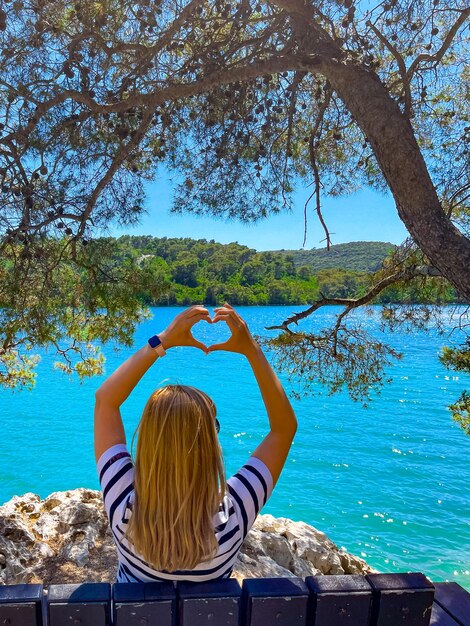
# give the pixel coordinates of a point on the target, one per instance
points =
(109, 429)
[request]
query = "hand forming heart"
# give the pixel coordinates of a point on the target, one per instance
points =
(178, 333)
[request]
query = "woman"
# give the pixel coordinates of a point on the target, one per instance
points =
(172, 513)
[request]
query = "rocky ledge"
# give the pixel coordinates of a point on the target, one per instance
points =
(66, 538)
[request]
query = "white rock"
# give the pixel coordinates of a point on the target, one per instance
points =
(261, 567)
(66, 538)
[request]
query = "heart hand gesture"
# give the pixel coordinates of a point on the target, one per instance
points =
(178, 333)
(241, 340)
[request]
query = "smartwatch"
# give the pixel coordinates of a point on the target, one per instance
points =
(155, 343)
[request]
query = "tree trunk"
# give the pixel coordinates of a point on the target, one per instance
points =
(395, 147)
(399, 156)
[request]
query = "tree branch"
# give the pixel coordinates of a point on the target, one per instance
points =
(313, 163)
(298, 77)
(401, 66)
(437, 57)
(174, 91)
(351, 303)
(118, 160)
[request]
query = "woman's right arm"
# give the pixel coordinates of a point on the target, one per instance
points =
(274, 448)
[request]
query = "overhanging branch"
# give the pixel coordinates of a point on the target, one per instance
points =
(353, 303)
(405, 79)
(437, 57)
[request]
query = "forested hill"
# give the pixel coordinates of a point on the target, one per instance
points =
(358, 256)
(188, 271)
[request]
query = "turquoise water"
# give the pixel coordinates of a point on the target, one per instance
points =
(389, 483)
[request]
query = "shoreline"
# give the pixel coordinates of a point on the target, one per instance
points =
(65, 536)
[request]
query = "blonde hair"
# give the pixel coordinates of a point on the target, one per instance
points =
(179, 479)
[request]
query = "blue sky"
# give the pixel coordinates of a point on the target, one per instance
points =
(364, 216)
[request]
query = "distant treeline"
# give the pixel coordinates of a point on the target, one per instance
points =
(200, 271)
(357, 256)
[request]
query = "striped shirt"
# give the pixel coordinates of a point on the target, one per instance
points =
(247, 493)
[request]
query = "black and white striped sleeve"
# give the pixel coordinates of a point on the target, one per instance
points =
(249, 489)
(116, 475)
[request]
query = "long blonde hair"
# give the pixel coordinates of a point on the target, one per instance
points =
(179, 479)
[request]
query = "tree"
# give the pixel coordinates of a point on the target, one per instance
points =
(241, 99)
(68, 305)
(459, 359)
(252, 272)
(185, 268)
(304, 272)
(340, 284)
(223, 264)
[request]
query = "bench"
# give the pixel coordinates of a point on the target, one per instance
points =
(347, 600)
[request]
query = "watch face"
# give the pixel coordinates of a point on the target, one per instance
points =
(154, 341)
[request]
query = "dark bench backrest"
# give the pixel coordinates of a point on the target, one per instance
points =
(373, 600)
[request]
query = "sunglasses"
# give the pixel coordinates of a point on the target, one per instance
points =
(217, 425)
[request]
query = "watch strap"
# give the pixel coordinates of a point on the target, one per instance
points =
(155, 343)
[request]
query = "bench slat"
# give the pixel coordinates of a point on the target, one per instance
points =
(21, 605)
(135, 604)
(25, 614)
(280, 601)
(455, 600)
(401, 599)
(347, 600)
(90, 603)
(339, 600)
(439, 617)
(216, 602)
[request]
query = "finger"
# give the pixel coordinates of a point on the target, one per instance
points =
(224, 317)
(229, 317)
(221, 314)
(197, 344)
(197, 317)
(237, 315)
(195, 310)
(201, 315)
(239, 318)
(228, 308)
(219, 346)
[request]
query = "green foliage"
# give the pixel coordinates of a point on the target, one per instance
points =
(460, 411)
(350, 359)
(457, 358)
(421, 290)
(212, 273)
(96, 94)
(191, 271)
(340, 283)
(69, 303)
(358, 256)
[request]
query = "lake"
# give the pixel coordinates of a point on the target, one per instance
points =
(389, 482)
